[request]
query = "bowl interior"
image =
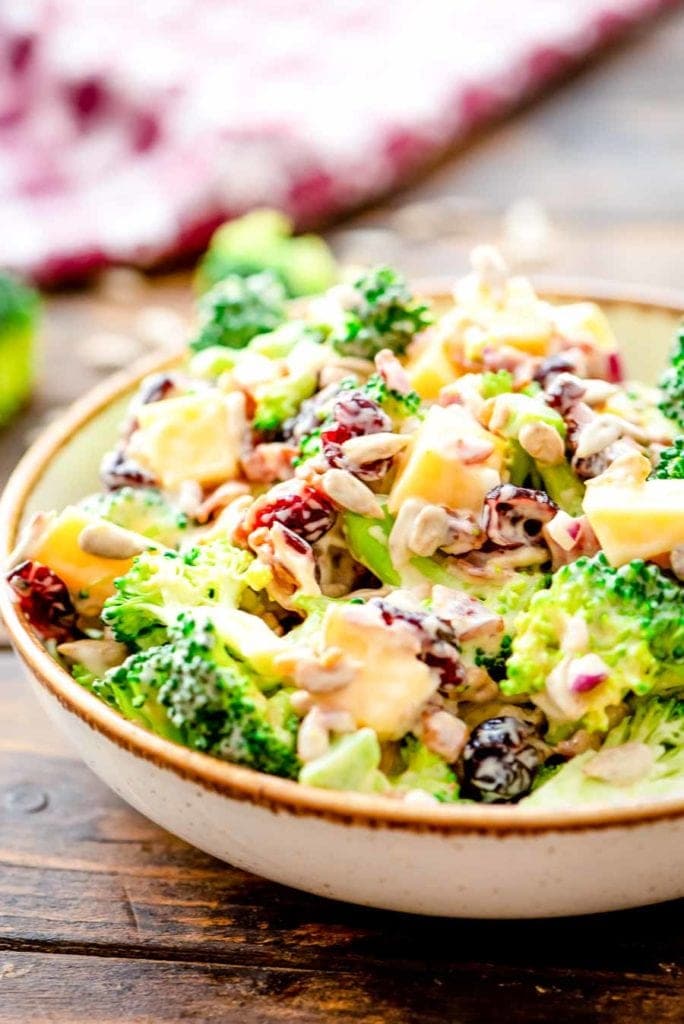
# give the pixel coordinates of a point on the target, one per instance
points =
(645, 331)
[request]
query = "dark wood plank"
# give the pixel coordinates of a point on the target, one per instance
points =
(61, 988)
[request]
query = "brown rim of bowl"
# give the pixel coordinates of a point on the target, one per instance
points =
(275, 794)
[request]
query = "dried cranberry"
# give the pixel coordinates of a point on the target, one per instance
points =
(332, 440)
(361, 415)
(355, 415)
(551, 367)
(44, 600)
(499, 760)
(311, 414)
(118, 470)
(438, 642)
(564, 391)
(156, 388)
(301, 508)
(514, 516)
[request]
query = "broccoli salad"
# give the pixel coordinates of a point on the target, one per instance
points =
(431, 553)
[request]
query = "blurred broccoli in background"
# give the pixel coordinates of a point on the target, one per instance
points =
(19, 317)
(672, 383)
(382, 313)
(237, 309)
(262, 240)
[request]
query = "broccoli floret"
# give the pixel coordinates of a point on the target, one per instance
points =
(144, 510)
(672, 383)
(397, 405)
(671, 463)
(161, 583)
(496, 383)
(193, 691)
(19, 315)
(383, 314)
(280, 399)
(237, 309)
(656, 723)
(423, 769)
(495, 662)
(262, 240)
(633, 617)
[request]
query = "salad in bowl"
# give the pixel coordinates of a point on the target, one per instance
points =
(370, 544)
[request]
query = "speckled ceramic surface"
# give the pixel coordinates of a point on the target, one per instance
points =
(468, 861)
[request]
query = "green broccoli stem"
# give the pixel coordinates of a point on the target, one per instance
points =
(563, 486)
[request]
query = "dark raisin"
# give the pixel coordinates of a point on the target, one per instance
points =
(500, 760)
(44, 599)
(312, 413)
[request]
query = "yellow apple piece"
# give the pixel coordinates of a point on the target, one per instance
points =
(88, 578)
(431, 369)
(635, 520)
(391, 685)
(584, 322)
(433, 467)
(192, 437)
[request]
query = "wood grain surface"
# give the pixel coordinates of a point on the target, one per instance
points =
(103, 916)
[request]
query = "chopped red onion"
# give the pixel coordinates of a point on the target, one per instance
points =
(587, 673)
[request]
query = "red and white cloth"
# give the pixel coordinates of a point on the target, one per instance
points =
(130, 128)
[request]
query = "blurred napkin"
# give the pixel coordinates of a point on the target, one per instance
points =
(129, 130)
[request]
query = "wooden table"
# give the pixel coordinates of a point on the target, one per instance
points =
(104, 917)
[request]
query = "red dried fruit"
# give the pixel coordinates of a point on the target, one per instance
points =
(298, 506)
(44, 599)
(439, 643)
(359, 414)
(118, 470)
(355, 416)
(156, 388)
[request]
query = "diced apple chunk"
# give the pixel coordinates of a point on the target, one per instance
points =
(584, 322)
(391, 685)
(636, 520)
(192, 437)
(431, 369)
(435, 466)
(88, 578)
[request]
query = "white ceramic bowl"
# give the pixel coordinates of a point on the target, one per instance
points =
(469, 861)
